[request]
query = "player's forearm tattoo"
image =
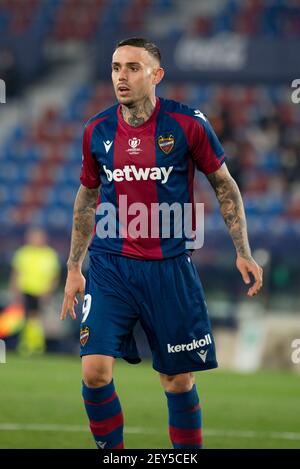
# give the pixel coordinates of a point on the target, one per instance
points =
(232, 209)
(138, 113)
(83, 224)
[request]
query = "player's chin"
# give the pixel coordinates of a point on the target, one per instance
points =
(126, 100)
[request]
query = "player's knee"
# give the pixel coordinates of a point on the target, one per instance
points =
(177, 383)
(96, 380)
(96, 373)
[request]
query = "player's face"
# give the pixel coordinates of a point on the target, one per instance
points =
(36, 237)
(134, 74)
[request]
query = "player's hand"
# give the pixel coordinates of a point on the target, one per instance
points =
(75, 284)
(246, 266)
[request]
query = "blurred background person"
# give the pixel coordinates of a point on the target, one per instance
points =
(35, 275)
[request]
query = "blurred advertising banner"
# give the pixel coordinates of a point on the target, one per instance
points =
(225, 57)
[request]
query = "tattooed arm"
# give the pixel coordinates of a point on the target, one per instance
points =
(232, 209)
(83, 223)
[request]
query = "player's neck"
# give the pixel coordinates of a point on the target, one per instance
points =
(138, 113)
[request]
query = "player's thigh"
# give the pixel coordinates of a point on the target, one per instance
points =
(97, 370)
(177, 325)
(108, 315)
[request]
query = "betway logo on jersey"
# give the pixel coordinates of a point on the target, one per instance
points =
(191, 346)
(131, 173)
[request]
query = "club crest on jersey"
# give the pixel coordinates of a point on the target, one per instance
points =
(166, 143)
(84, 335)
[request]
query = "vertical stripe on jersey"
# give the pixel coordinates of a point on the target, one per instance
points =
(191, 173)
(107, 188)
(179, 187)
(137, 190)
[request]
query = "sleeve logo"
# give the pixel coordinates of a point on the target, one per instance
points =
(200, 114)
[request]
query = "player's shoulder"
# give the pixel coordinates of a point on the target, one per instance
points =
(22, 252)
(109, 113)
(49, 250)
(175, 107)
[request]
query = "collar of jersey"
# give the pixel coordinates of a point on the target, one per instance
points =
(124, 124)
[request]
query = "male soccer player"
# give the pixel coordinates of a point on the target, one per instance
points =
(144, 149)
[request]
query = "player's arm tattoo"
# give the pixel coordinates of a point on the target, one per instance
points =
(232, 209)
(139, 113)
(83, 224)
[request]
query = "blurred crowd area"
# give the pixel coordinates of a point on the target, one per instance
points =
(258, 125)
(36, 25)
(82, 19)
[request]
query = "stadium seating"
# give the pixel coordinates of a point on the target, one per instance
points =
(258, 125)
(41, 163)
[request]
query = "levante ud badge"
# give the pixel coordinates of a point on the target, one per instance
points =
(166, 143)
(84, 335)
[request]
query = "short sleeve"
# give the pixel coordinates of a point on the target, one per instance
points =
(90, 174)
(206, 149)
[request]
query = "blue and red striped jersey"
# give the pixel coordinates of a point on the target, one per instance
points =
(142, 168)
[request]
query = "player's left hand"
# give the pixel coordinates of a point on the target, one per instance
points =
(246, 266)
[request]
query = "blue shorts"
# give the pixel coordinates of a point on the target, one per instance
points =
(166, 296)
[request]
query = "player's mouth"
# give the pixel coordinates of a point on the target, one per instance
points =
(123, 89)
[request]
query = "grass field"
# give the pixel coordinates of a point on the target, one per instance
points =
(41, 407)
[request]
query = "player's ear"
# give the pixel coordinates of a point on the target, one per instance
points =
(158, 75)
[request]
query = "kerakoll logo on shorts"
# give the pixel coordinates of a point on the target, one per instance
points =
(191, 346)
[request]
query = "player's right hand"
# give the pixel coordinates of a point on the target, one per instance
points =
(75, 284)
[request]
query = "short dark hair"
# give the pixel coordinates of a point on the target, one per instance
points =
(144, 43)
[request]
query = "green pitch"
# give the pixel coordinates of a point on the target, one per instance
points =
(41, 406)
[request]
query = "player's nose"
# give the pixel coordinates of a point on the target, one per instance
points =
(123, 75)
